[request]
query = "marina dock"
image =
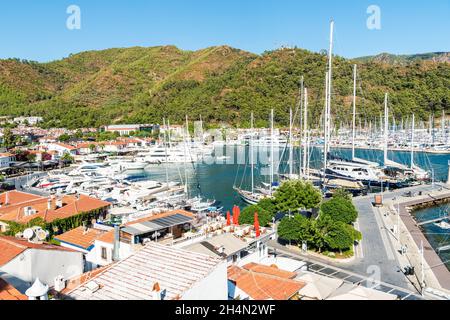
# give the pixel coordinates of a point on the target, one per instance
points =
(434, 262)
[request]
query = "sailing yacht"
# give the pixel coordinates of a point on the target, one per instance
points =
(356, 169)
(409, 175)
(251, 197)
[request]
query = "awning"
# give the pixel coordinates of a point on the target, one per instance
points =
(140, 228)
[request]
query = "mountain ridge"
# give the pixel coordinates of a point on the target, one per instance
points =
(221, 83)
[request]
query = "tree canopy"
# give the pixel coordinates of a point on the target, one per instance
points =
(295, 195)
(340, 209)
(247, 216)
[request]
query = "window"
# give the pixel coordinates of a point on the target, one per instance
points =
(104, 253)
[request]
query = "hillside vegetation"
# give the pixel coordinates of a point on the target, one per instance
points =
(221, 84)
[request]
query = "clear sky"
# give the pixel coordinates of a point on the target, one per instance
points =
(36, 29)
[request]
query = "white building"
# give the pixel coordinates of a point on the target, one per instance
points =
(157, 272)
(83, 239)
(30, 120)
(61, 148)
(6, 159)
(22, 262)
(127, 129)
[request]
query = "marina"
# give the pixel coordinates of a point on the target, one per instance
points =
(215, 173)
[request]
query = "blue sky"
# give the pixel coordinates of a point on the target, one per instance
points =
(36, 29)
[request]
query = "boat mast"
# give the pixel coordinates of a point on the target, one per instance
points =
(330, 78)
(412, 141)
(165, 150)
(271, 153)
(386, 128)
(291, 146)
(325, 131)
(186, 139)
(305, 132)
(301, 128)
(354, 112)
(251, 154)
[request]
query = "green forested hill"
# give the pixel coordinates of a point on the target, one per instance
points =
(222, 84)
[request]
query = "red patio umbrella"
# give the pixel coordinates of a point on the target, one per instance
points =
(234, 214)
(256, 225)
(238, 212)
(228, 218)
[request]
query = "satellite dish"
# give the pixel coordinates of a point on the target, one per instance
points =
(28, 234)
(41, 235)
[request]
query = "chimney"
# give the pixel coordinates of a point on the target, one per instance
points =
(156, 292)
(59, 203)
(7, 198)
(49, 204)
(116, 256)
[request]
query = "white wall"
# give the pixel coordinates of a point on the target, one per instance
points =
(212, 287)
(43, 264)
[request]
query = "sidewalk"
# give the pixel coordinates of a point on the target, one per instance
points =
(403, 231)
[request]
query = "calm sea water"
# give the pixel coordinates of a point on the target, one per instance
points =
(436, 236)
(216, 181)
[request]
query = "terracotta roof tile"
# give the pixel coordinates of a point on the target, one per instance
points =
(11, 247)
(8, 292)
(262, 286)
(71, 206)
(81, 238)
(270, 270)
(107, 237)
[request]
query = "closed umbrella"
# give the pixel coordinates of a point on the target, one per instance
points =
(228, 218)
(256, 225)
(238, 212)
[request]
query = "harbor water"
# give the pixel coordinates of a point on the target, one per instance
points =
(437, 236)
(216, 181)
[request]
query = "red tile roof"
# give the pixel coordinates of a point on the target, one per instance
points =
(81, 238)
(263, 286)
(16, 197)
(107, 237)
(270, 270)
(67, 146)
(15, 211)
(11, 247)
(8, 292)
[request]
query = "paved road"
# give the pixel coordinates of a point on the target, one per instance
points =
(376, 253)
(325, 269)
(377, 246)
